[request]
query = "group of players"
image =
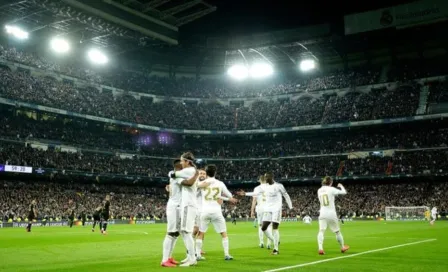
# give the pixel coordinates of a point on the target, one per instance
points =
(195, 199)
(101, 215)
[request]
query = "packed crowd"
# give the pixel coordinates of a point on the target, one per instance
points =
(54, 199)
(405, 163)
(90, 135)
(138, 81)
(353, 106)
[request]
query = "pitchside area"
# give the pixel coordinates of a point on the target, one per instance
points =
(375, 246)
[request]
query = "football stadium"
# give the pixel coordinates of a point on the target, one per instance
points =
(223, 135)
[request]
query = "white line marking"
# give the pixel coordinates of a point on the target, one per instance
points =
(349, 256)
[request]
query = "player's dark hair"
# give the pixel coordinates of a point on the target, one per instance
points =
(211, 170)
(188, 156)
(269, 177)
(176, 161)
(327, 180)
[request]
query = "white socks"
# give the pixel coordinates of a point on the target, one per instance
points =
(340, 239)
(225, 246)
(276, 235)
(168, 246)
(320, 240)
(198, 247)
(268, 233)
(260, 235)
(189, 244)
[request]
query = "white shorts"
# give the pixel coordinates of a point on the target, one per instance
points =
(197, 219)
(173, 219)
(274, 217)
(187, 217)
(333, 223)
(217, 219)
(434, 216)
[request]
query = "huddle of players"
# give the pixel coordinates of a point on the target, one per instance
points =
(185, 211)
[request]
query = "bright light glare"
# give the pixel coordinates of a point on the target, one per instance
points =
(260, 70)
(238, 72)
(59, 45)
(97, 56)
(307, 65)
(16, 32)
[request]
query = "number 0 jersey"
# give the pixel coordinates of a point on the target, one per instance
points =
(211, 194)
(326, 195)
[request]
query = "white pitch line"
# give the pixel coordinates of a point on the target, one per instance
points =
(349, 256)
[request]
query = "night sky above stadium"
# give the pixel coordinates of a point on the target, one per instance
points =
(239, 17)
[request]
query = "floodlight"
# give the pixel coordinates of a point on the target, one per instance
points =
(238, 72)
(260, 70)
(307, 65)
(59, 45)
(16, 32)
(97, 57)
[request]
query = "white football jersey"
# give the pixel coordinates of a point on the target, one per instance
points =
(175, 192)
(307, 219)
(259, 191)
(326, 195)
(188, 192)
(211, 194)
(434, 211)
(274, 200)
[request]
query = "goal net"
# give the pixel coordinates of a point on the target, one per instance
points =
(406, 213)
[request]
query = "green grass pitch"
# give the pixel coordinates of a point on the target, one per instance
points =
(139, 247)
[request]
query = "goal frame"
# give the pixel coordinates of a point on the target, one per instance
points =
(389, 217)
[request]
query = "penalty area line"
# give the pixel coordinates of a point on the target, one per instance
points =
(350, 256)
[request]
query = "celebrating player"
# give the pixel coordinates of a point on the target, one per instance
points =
(258, 202)
(173, 219)
(433, 215)
(307, 220)
(327, 214)
(272, 208)
(211, 211)
(32, 214)
(187, 179)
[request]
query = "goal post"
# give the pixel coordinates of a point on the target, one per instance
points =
(406, 213)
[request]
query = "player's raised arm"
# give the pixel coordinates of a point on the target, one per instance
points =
(203, 184)
(285, 195)
(227, 194)
(184, 173)
(341, 190)
(189, 182)
(254, 193)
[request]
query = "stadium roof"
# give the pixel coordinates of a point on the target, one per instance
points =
(247, 27)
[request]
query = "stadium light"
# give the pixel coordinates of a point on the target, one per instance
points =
(59, 45)
(307, 65)
(97, 57)
(238, 72)
(260, 70)
(16, 32)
